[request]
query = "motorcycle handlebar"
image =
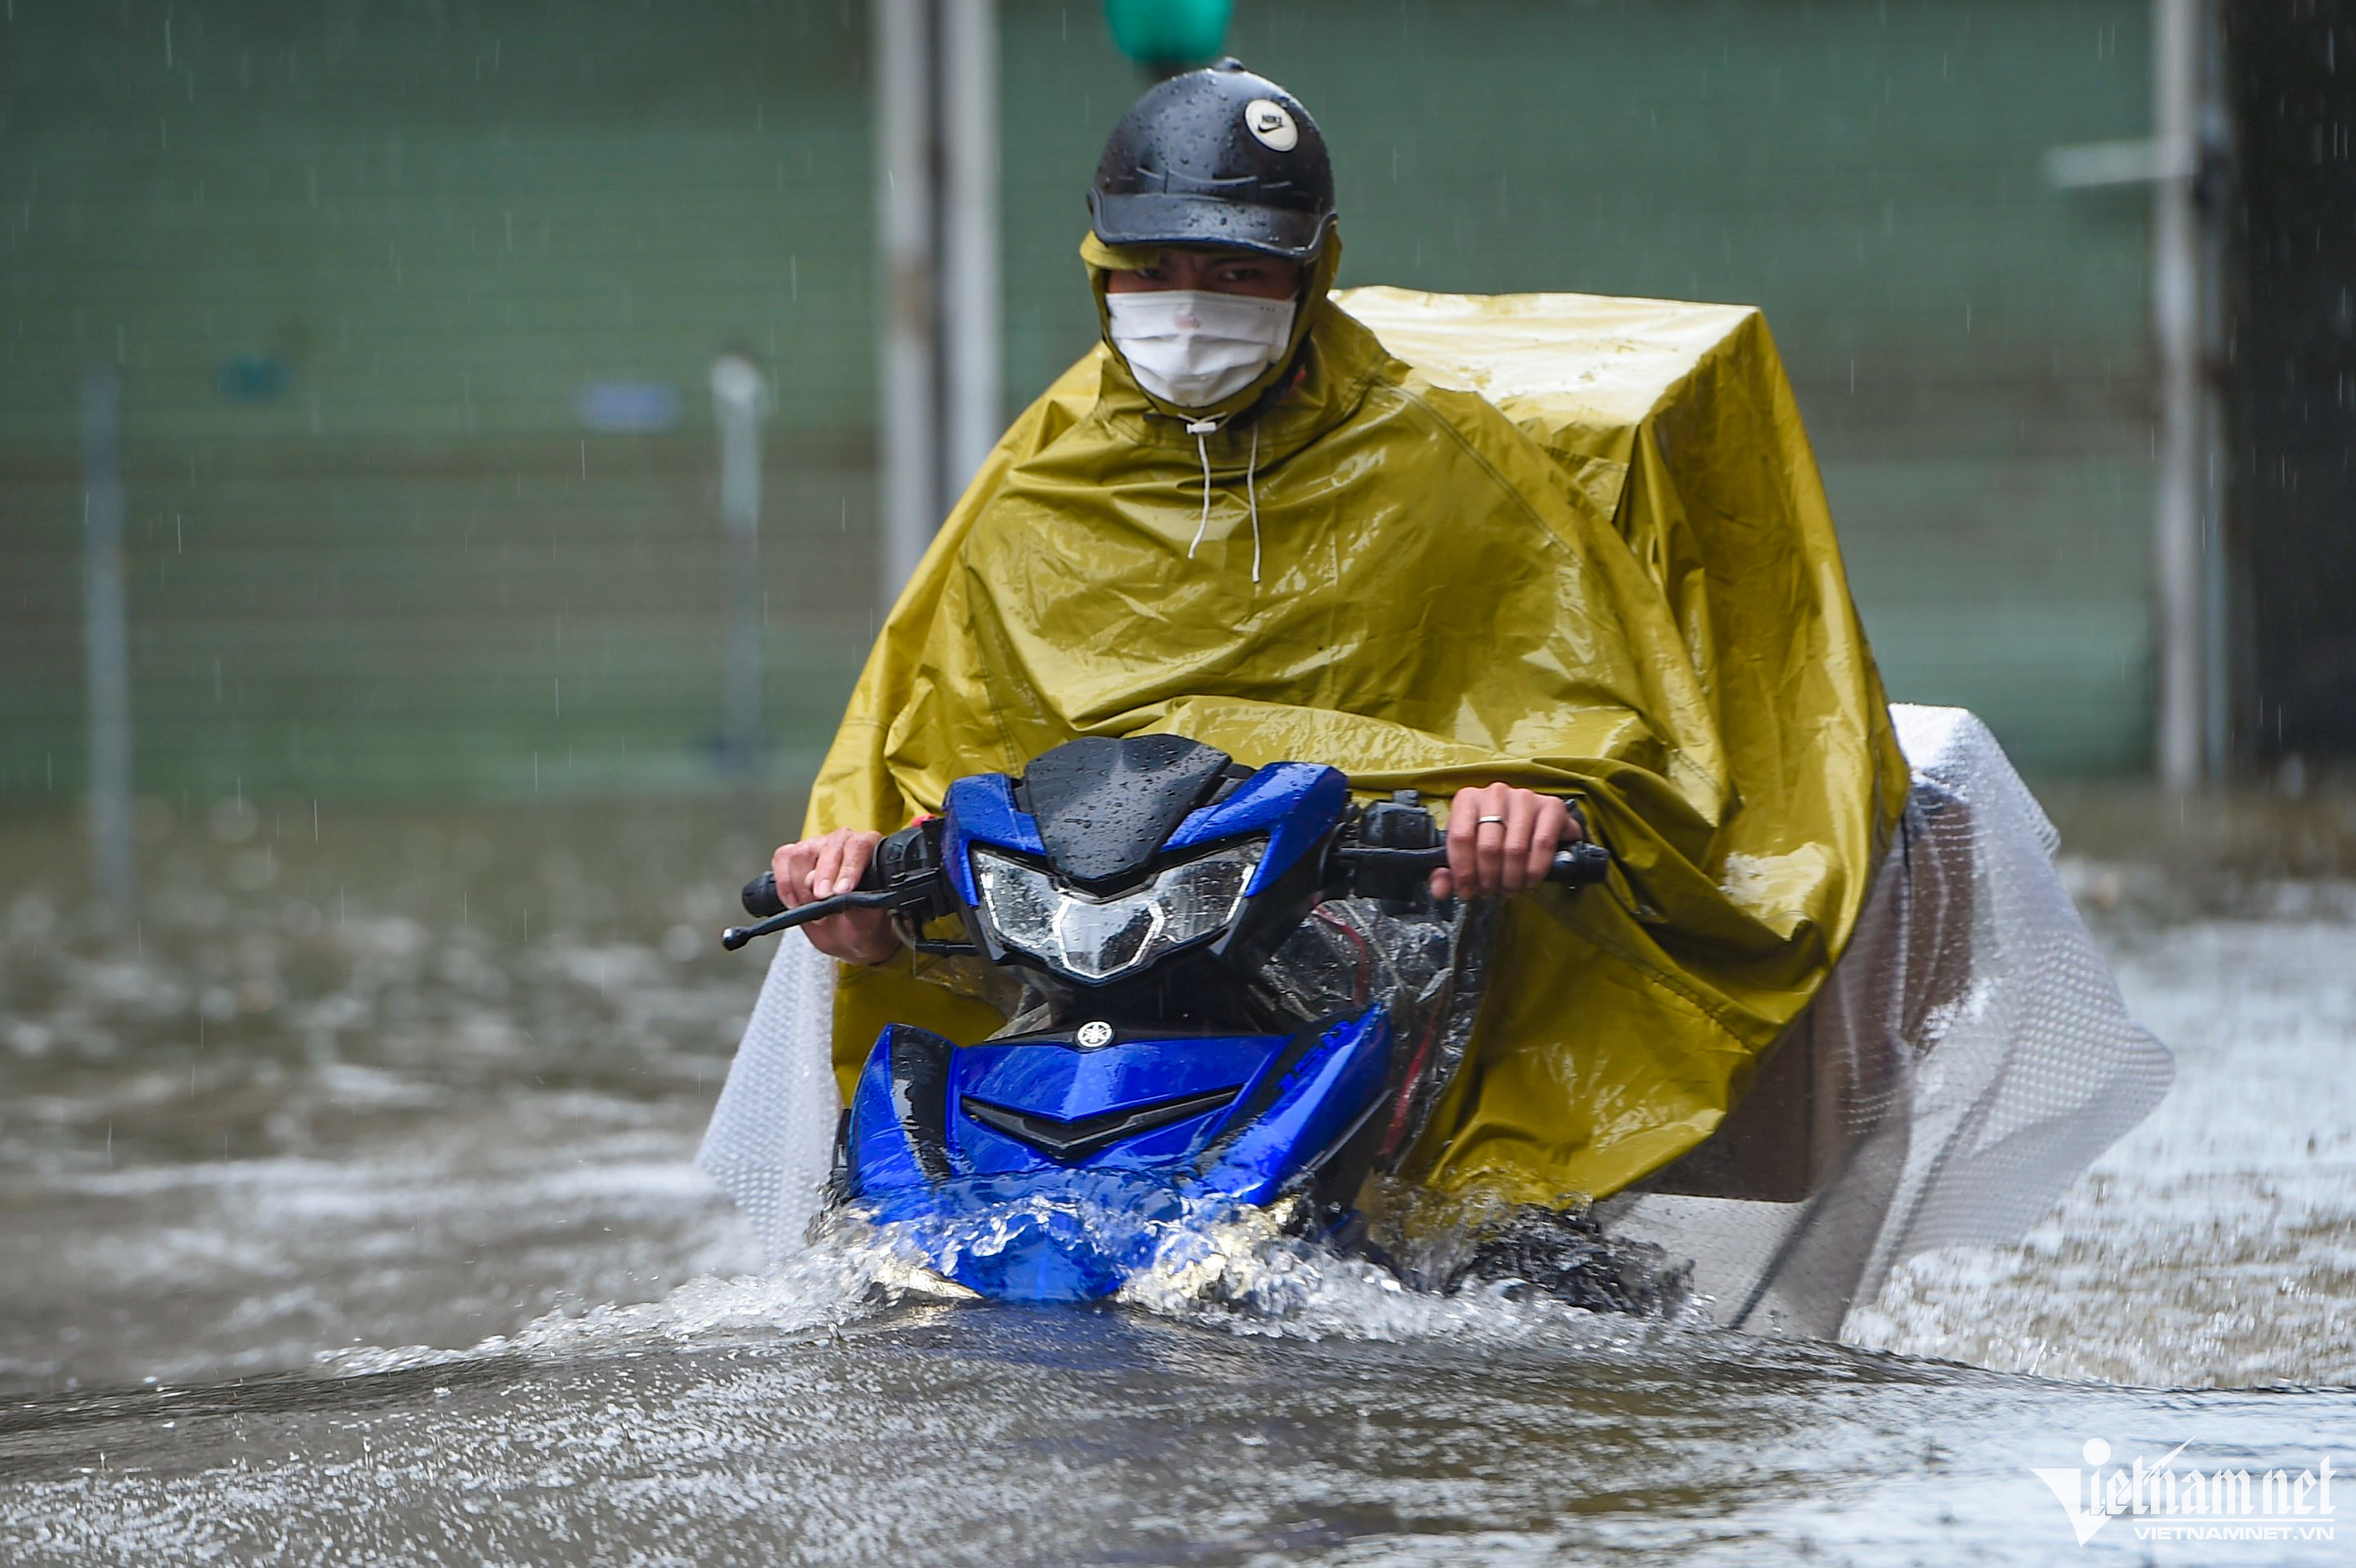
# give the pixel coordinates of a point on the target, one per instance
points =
(1575, 864)
(1581, 865)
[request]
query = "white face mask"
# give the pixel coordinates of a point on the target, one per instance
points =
(1193, 347)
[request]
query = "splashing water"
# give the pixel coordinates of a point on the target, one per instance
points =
(1242, 1270)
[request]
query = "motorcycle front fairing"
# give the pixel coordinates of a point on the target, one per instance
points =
(1108, 846)
(1138, 884)
(1078, 1152)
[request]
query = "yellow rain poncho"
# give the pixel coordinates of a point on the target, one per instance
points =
(1573, 544)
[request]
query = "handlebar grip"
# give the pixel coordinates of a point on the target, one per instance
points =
(1578, 865)
(1581, 865)
(760, 897)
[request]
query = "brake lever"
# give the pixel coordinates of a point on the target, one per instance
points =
(736, 937)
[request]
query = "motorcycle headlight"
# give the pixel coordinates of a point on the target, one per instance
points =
(1096, 938)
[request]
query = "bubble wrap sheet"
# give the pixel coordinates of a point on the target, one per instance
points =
(2033, 1067)
(771, 1143)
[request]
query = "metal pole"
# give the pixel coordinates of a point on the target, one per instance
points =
(2181, 598)
(909, 432)
(2214, 176)
(738, 395)
(106, 640)
(970, 285)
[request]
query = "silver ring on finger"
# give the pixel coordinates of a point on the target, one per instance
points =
(1484, 821)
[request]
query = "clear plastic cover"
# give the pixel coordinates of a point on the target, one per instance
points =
(1425, 966)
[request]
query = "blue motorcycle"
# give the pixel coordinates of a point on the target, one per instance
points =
(1138, 887)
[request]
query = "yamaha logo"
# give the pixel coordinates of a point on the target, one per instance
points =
(1093, 1034)
(1269, 122)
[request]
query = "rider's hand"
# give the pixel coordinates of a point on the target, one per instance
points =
(822, 867)
(1500, 841)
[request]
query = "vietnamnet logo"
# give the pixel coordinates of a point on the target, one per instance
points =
(2166, 1501)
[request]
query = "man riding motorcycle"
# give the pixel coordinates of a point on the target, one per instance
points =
(1242, 521)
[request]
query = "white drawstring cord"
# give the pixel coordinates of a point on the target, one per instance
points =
(1251, 491)
(1199, 430)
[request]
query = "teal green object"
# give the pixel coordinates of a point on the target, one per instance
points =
(1169, 32)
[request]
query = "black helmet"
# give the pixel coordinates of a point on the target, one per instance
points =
(1216, 156)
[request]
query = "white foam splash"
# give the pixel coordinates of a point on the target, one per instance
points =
(1241, 1271)
(844, 1277)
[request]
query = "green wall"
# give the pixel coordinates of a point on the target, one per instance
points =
(414, 569)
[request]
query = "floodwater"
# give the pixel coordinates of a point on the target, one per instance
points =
(349, 1218)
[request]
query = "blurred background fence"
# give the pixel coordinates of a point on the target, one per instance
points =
(414, 308)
